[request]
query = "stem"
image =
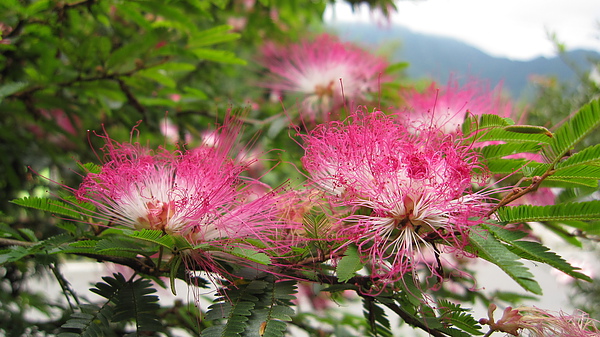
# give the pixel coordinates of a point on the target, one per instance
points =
(413, 321)
(64, 285)
(489, 333)
(517, 192)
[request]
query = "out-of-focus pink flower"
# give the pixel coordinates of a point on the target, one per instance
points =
(171, 132)
(403, 189)
(536, 322)
(175, 97)
(238, 24)
(326, 70)
(67, 124)
(445, 107)
(5, 30)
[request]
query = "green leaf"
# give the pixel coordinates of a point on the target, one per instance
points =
(580, 172)
(552, 181)
(126, 300)
(379, 325)
(502, 150)
(118, 246)
(174, 67)
(459, 317)
(218, 34)
(505, 166)
(587, 210)
(50, 205)
(508, 136)
(158, 76)
(234, 306)
(487, 246)
(251, 255)
(10, 88)
(152, 235)
(135, 302)
(221, 56)
(484, 122)
(90, 167)
(588, 155)
(534, 251)
(583, 123)
(530, 129)
(273, 309)
(349, 264)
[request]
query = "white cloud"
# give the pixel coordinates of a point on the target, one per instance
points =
(516, 29)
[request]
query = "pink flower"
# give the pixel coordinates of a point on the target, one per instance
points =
(446, 107)
(197, 193)
(326, 70)
(405, 190)
(535, 322)
(541, 323)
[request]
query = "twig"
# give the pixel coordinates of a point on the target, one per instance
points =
(412, 321)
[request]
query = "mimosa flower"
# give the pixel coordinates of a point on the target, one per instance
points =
(197, 193)
(445, 107)
(405, 191)
(327, 71)
(536, 322)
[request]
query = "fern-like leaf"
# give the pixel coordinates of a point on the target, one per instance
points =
(587, 210)
(91, 321)
(514, 137)
(502, 150)
(135, 302)
(534, 251)
(475, 123)
(233, 309)
(574, 131)
(486, 246)
(505, 166)
(455, 315)
(126, 300)
(154, 236)
(379, 325)
(587, 156)
(273, 310)
(49, 205)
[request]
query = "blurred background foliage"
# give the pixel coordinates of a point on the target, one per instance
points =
(72, 68)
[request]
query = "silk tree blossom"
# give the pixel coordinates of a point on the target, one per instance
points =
(536, 322)
(326, 70)
(197, 193)
(445, 107)
(405, 191)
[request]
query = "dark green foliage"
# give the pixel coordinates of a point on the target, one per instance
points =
(256, 308)
(126, 301)
(379, 325)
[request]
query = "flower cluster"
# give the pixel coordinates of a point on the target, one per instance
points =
(327, 71)
(199, 194)
(404, 191)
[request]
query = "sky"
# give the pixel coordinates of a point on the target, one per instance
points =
(516, 29)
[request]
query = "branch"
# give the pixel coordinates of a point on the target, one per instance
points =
(408, 318)
(132, 100)
(518, 192)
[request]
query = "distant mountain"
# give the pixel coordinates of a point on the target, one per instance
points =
(438, 57)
